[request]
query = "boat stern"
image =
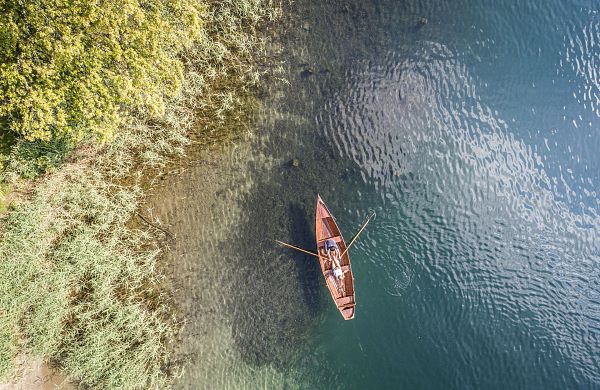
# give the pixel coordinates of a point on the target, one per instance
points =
(348, 313)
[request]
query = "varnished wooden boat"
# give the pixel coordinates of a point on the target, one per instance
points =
(342, 291)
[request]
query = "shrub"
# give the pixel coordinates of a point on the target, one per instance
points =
(70, 68)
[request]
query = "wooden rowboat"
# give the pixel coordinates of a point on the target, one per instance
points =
(342, 291)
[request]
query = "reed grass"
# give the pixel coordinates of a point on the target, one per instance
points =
(76, 290)
(80, 284)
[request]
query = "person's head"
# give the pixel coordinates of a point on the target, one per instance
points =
(330, 245)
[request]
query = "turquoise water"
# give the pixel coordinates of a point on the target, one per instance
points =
(475, 136)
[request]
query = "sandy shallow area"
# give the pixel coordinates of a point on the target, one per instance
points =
(193, 203)
(36, 375)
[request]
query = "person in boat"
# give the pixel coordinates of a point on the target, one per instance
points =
(333, 253)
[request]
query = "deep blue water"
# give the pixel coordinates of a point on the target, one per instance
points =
(475, 137)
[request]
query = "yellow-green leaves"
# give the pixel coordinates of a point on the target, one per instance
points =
(74, 67)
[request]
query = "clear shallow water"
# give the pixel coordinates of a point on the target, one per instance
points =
(476, 139)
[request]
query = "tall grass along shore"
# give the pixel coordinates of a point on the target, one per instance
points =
(93, 95)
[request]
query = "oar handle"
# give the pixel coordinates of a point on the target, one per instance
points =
(296, 248)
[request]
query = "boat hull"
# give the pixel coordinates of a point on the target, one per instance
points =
(341, 291)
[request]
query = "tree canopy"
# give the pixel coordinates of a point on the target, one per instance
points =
(71, 68)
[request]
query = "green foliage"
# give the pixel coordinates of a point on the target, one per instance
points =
(78, 286)
(29, 159)
(76, 289)
(73, 67)
(8, 347)
(4, 190)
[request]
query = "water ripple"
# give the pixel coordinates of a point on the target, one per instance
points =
(484, 218)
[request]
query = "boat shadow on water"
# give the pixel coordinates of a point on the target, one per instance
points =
(308, 271)
(278, 294)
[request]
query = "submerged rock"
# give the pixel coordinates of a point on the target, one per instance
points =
(308, 71)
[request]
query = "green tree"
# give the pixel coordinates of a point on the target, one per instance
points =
(72, 68)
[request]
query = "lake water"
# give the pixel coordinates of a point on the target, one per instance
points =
(474, 135)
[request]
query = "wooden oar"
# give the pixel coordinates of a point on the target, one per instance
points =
(299, 249)
(358, 233)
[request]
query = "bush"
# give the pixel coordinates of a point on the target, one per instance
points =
(70, 68)
(29, 159)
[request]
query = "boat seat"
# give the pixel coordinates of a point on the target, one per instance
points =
(337, 239)
(344, 269)
(323, 252)
(344, 302)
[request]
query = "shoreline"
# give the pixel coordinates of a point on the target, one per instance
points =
(64, 218)
(37, 375)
